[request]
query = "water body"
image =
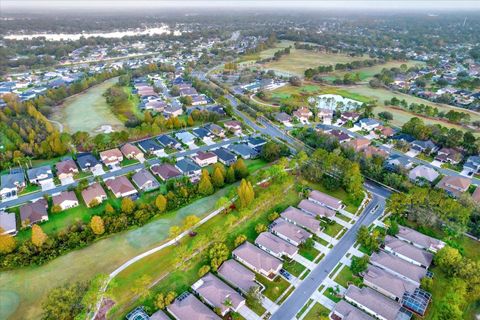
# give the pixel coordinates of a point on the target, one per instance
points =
(88, 111)
(75, 36)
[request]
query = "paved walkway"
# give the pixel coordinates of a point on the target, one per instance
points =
(269, 305)
(327, 238)
(321, 248)
(342, 222)
(247, 313)
(348, 214)
(307, 263)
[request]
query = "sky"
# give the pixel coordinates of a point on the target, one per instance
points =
(433, 5)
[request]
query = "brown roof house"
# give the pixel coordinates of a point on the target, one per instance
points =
(476, 195)
(93, 193)
(289, 232)
(275, 246)
(454, 185)
(111, 158)
(66, 169)
(302, 114)
(188, 307)
(325, 200)
(398, 267)
(316, 209)
(408, 252)
(166, 171)
(302, 219)
(121, 187)
(359, 144)
(132, 152)
(387, 283)
(204, 159)
(449, 155)
(65, 200)
(218, 294)
(419, 240)
(345, 311)
(371, 151)
(233, 126)
(145, 181)
(238, 276)
(34, 212)
(257, 260)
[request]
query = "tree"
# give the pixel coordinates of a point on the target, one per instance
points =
(230, 176)
(393, 228)
(190, 121)
(141, 286)
(385, 116)
(240, 239)
(160, 301)
(426, 284)
(190, 221)
(260, 227)
(245, 194)
(7, 242)
(253, 297)
(221, 202)
(171, 295)
(272, 151)
(203, 270)
(217, 178)
(448, 259)
(38, 236)
(96, 223)
(109, 209)
(64, 302)
(127, 205)
(241, 170)
(161, 203)
(218, 253)
(205, 186)
(174, 231)
(56, 208)
(359, 265)
(273, 216)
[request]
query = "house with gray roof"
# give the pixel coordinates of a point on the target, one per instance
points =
(302, 219)
(425, 146)
(257, 260)
(87, 162)
(167, 141)
(387, 283)
(289, 232)
(11, 184)
(398, 267)
(243, 150)
(275, 245)
(218, 294)
(315, 209)
(188, 307)
(419, 240)
(149, 146)
(423, 173)
(225, 157)
(325, 200)
(397, 162)
(186, 137)
(408, 252)
(189, 168)
(345, 311)
(238, 276)
(145, 181)
(166, 171)
(8, 223)
(472, 164)
(40, 175)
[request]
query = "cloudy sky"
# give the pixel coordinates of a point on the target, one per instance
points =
(305, 4)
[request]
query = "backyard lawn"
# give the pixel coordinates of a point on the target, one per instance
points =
(273, 289)
(332, 229)
(308, 253)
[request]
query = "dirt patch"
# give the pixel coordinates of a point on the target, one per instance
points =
(107, 304)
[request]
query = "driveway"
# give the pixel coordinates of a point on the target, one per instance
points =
(66, 181)
(48, 186)
(436, 163)
(412, 153)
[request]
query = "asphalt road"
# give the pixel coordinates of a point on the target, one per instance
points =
(302, 293)
(110, 174)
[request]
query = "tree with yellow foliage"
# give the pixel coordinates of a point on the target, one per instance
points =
(38, 236)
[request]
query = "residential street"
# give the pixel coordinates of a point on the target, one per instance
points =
(302, 293)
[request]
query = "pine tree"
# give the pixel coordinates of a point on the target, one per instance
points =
(241, 170)
(230, 176)
(245, 194)
(38, 236)
(96, 223)
(7, 242)
(205, 186)
(190, 121)
(217, 178)
(161, 203)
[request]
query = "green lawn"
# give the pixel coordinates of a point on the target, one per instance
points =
(310, 253)
(273, 289)
(316, 312)
(344, 277)
(286, 295)
(331, 228)
(293, 267)
(330, 294)
(128, 162)
(30, 188)
(322, 241)
(255, 164)
(305, 307)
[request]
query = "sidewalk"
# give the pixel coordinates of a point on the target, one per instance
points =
(307, 263)
(247, 313)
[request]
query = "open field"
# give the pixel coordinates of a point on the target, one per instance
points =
(22, 290)
(87, 111)
(249, 58)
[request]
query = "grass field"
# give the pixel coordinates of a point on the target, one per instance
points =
(87, 111)
(316, 312)
(23, 290)
(249, 58)
(344, 277)
(293, 267)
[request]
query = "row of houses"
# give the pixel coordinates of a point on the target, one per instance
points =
(392, 280)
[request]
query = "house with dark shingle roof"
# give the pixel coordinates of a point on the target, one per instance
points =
(225, 157)
(189, 168)
(151, 147)
(34, 212)
(167, 141)
(166, 171)
(87, 162)
(11, 184)
(145, 181)
(121, 187)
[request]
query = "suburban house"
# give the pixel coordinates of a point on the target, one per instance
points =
(423, 173)
(256, 143)
(121, 187)
(215, 293)
(257, 260)
(216, 130)
(347, 117)
(425, 146)
(345, 311)
(144, 180)
(204, 159)
(203, 134)
(472, 164)
(367, 124)
(149, 146)
(408, 252)
(243, 150)
(275, 246)
(87, 162)
(11, 184)
(225, 157)
(325, 200)
(385, 132)
(449, 155)
(397, 163)
(284, 119)
(132, 152)
(302, 114)
(325, 115)
(398, 267)
(199, 100)
(92, 193)
(238, 276)
(476, 195)
(34, 212)
(165, 171)
(65, 200)
(419, 240)
(167, 141)
(315, 209)
(66, 169)
(8, 223)
(340, 135)
(302, 219)
(358, 144)
(173, 111)
(375, 304)
(371, 151)
(186, 137)
(454, 185)
(188, 307)
(387, 283)
(289, 232)
(111, 158)
(233, 126)
(189, 168)
(40, 175)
